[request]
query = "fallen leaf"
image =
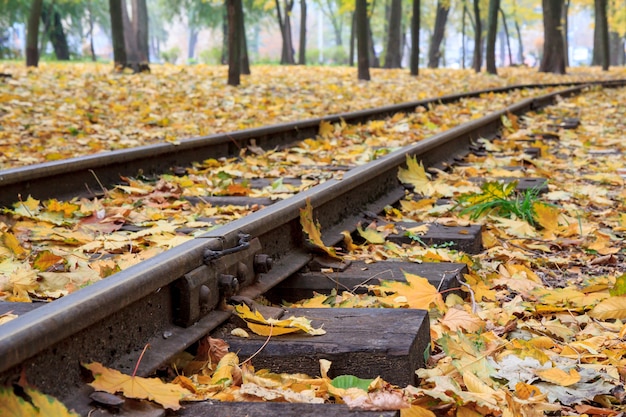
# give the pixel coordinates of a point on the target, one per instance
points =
(266, 327)
(113, 381)
(558, 376)
(312, 229)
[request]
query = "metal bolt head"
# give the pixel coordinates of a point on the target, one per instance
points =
(204, 296)
(262, 263)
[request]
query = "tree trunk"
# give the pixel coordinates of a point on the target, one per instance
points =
(225, 32)
(285, 30)
(553, 59)
(520, 44)
(140, 26)
(243, 53)
(415, 39)
(492, 31)
(352, 40)
(91, 27)
(507, 35)
(616, 54)
(130, 40)
(193, 41)
(601, 36)
(117, 34)
(54, 30)
(565, 21)
(362, 39)
(478, 38)
(393, 59)
(234, 42)
(302, 46)
(32, 36)
(434, 51)
(374, 61)
(463, 35)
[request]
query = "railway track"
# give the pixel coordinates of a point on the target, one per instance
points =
(173, 299)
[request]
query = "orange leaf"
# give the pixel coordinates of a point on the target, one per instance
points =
(112, 381)
(46, 260)
(558, 376)
(416, 292)
(237, 189)
(525, 391)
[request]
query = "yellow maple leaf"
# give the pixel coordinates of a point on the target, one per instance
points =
(64, 207)
(265, 327)
(519, 228)
(416, 292)
(113, 381)
(371, 235)
(416, 176)
(558, 376)
(10, 241)
(38, 404)
(223, 374)
(312, 229)
(24, 280)
(27, 208)
(603, 244)
(456, 319)
(326, 128)
(416, 411)
(611, 308)
(547, 216)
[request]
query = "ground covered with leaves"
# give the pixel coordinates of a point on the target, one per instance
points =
(540, 330)
(60, 111)
(51, 248)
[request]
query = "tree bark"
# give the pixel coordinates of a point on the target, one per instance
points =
(374, 61)
(601, 36)
(362, 39)
(225, 32)
(285, 30)
(616, 46)
(565, 22)
(243, 53)
(415, 39)
(54, 29)
(91, 27)
(302, 46)
(117, 34)
(520, 44)
(553, 59)
(492, 31)
(130, 40)
(193, 41)
(140, 26)
(478, 38)
(393, 59)
(234, 42)
(352, 40)
(434, 51)
(507, 35)
(32, 36)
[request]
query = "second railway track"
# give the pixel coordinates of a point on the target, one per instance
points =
(173, 300)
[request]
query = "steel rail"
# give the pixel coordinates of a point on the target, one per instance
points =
(62, 179)
(110, 321)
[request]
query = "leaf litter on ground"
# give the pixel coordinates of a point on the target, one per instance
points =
(51, 248)
(531, 340)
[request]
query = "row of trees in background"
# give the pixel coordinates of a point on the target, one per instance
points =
(370, 24)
